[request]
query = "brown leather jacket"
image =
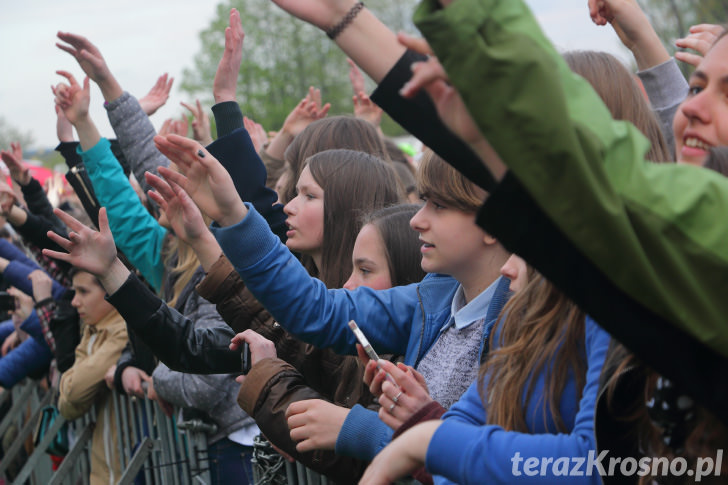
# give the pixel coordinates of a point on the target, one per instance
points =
(273, 384)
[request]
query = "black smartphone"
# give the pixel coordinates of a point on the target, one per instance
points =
(7, 302)
(245, 358)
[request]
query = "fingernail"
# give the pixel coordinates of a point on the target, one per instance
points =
(200, 153)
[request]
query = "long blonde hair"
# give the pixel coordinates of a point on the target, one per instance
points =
(183, 263)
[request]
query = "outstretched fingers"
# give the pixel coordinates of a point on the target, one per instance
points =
(60, 240)
(172, 177)
(73, 223)
(182, 155)
(417, 44)
(71, 79)
(162, 189)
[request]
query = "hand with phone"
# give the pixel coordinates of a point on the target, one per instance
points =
(23, 304)
(258, 348)
(400, 389)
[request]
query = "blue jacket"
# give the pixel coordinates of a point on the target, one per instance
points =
(17, 273)
(31, 357)
(404, 320)
(466, 450)
(135, 231)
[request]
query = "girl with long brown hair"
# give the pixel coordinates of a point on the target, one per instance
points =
(533, 402)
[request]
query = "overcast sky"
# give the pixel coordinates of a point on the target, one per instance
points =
(142, 39)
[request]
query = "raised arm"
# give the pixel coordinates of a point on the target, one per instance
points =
(601, 162)
(228, 116)
(128, 118)
(663, 82)
(172, 337)
(633, 28)
(157, 96)
(303, 114)
(138, 234)
(366, 40)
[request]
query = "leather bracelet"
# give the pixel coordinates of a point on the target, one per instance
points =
(44, 301)
(334, 31)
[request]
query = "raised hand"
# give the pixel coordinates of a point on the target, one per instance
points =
(92, 62)
(88, 56)
(323, 14)
(226, 76)
(203, 178)
(257, 134)
(200, 123)
(64, 128)
(315, 424)
(176, 127)
(7, 198)
(23, 304)
(430, 76)
(73, 99)
(13, 158)
(158, 95)
(367, 110)
(356, 77)
(701, 39)
(42, 285)
(182, 213)
(90, 250)
(632, 27)
(260, 348)
(306, 112)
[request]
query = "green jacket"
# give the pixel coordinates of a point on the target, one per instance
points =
(642, 247)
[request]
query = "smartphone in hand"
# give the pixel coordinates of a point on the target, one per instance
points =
(368, 348)
(245, 360)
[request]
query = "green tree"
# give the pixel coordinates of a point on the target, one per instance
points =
(282, 57)
(672, 19)
(9, 133)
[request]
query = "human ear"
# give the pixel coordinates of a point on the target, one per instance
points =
(489, 240)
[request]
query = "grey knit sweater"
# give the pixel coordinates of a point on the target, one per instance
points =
(136, 137)
(214, 394)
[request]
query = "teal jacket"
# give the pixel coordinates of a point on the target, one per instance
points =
(641, 247)
(135, 231)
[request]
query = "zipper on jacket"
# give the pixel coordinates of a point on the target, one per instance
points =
(422, 329)
(75, 171)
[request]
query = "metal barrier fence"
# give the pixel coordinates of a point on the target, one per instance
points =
(153, 448)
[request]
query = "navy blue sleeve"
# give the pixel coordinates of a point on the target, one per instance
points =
(237, 154)
(29, 358)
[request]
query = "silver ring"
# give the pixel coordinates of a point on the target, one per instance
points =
(395, 399)
(391, 408)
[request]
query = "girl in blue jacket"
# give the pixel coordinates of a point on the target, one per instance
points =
(440, 325)
(529, 416)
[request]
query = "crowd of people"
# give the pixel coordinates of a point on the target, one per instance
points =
(541, 283)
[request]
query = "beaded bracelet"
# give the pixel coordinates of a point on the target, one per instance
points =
(334, 31)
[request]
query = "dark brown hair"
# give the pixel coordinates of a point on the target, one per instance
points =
(401, 242)
(623, 97)
(354, 183)
(344, 132)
